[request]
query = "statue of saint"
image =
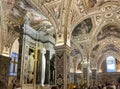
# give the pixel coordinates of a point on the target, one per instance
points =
(31, 67)
(31, 62)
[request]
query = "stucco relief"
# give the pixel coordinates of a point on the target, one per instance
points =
(81, 7)
(74, 14)
(56, 10)
(98, 18)
(97, 3)
(51, 1)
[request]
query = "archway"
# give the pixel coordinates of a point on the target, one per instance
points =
(79, 45)
(107, 44)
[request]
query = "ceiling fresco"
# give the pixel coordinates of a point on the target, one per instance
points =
(110, 30)
(83, 28)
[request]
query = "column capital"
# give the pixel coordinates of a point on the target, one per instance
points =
(63, 47)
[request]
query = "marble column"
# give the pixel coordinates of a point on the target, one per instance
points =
(62, 66)
(85, 69)
(47, 71)
(20, 55)
(94, 75)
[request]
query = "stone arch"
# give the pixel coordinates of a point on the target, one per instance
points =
(102, 44)
(80, 34)
(112, 53)
(102, 41)
(10, 38)
(97, 29)
(107, 53)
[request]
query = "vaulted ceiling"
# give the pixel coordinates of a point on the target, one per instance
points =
(92, 26)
